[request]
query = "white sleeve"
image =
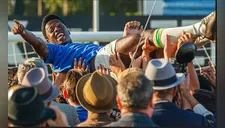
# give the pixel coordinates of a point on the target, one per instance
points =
(200, 109)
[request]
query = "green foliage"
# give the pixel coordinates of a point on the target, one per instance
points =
(53, 6)
(30, 7)
(80, 7)
(10, 8)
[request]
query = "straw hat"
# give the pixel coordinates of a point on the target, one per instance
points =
(96, 93)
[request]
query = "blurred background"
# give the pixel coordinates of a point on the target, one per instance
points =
(83, 16)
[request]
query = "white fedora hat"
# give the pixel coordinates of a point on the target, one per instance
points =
(163, 75)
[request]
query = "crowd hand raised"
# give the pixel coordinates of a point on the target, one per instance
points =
(81, 66)
(184, 38)
(189, 100)
(116, 64)
(146, 50)
(132, 27)
(209, 74)
(101, 69)
(135, 62)
(169, 48)
(60, 77)
(60, 121)
(18, 28)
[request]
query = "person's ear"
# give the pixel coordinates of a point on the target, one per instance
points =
(65, 94)
(118, 103)
(151, 105)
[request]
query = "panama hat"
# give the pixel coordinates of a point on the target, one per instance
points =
(163, 75)
(26, 108)
(38, 78)
(96, 93)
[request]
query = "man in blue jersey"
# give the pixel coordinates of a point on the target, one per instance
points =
(61, 52)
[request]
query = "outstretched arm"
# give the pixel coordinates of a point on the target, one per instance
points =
(37, 43)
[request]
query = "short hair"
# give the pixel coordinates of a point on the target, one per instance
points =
(163, 93)
(46, 19)
(29, 64)
(70, 83)
(134, 89)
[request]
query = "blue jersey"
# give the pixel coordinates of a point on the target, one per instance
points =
(62, 56)
(82, 113)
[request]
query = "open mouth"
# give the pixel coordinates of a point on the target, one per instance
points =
(60, 36)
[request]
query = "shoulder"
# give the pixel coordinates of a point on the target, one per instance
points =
(114, 124)
(65, 107)
(193, 116)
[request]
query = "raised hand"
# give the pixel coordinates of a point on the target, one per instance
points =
(18, 28)
(101, 69)
(135, 62)
(210, 74)
(132, 27)
(80, 65)
(184, 38)
(146, 50)
(169, 48)
(116, 64)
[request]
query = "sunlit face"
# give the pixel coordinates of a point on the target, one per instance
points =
(57, 32)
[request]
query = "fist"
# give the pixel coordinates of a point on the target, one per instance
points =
(18, 28)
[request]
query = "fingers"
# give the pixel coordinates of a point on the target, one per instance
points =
(75, 63)
(131, 55)
(84, 64)
(146, 44)
(86, 70)
(118, 56)
(80, 65)
(101, 69)
(184, 38)
(134, 25)
(79, 62)
(16, 21)
(17, 28)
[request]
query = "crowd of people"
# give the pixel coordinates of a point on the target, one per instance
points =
(131, 81)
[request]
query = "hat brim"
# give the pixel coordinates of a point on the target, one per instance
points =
(54, 94)
(46, 115)
(83, 103)
(180, 78)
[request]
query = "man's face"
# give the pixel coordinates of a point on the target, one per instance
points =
(57, 32)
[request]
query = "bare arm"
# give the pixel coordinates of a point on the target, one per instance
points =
(37, 43)
(194, 82)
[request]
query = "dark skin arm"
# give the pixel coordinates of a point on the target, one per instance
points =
(129, 43)
(37, 43)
